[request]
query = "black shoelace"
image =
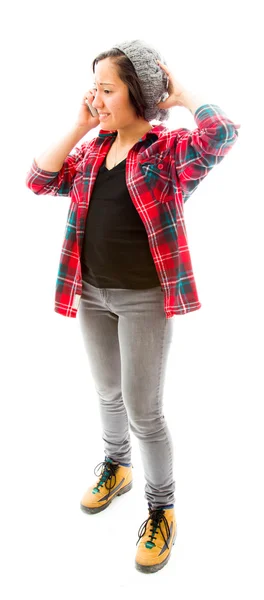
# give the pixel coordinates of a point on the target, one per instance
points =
(108, 471)
(156, 517)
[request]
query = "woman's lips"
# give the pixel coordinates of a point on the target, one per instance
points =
(103, 116)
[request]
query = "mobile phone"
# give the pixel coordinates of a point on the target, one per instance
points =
(92, 110)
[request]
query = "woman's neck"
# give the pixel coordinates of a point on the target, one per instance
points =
(126, 138)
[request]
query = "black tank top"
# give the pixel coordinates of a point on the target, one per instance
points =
(115, 252)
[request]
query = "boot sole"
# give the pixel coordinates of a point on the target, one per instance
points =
(97, 509)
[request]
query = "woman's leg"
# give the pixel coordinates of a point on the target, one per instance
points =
(99, 329)
(145, 336)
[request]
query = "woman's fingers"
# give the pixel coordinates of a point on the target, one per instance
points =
(175, 89)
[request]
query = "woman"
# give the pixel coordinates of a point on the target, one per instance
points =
(125, 265)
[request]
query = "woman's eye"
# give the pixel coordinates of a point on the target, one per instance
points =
(106, 91)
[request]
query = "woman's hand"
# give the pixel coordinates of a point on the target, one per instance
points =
(175, 90)
(84, 117)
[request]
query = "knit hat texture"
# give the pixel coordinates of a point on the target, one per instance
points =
(152, 78)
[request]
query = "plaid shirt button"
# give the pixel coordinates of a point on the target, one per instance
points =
(160, 166)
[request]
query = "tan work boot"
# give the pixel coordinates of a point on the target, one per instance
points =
(114, 480)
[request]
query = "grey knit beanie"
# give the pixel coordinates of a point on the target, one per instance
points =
(153, 80)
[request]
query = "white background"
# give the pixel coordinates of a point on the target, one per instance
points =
(50, 431)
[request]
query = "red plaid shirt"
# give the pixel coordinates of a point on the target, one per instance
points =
(162, 170)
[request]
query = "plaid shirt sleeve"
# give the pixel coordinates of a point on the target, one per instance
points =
(56, 183)
(199, 150)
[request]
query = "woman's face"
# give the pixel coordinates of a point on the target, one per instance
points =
(111, 96)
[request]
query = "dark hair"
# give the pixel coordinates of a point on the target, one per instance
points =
(127, 74)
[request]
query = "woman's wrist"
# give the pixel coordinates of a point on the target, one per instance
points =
(191, 101)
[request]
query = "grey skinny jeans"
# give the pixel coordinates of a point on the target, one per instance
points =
(127, 339)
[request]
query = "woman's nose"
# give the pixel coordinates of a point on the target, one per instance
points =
(97, 102)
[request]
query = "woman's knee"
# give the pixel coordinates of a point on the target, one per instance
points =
(147, 425)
